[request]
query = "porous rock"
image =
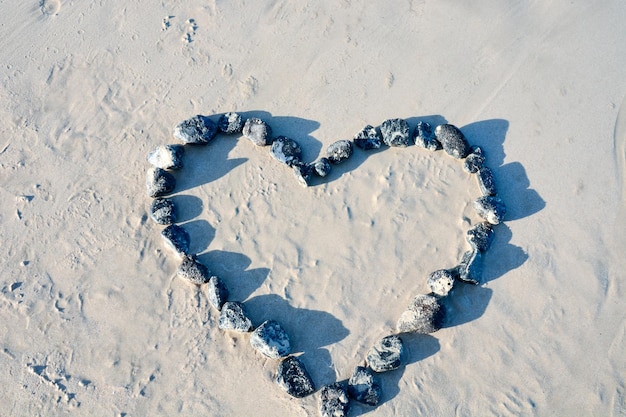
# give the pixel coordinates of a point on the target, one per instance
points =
(490, 208)
(286, 150)
(293, 377)
(339, 151)
(217, 293)
(176, 238)
(199, 130)
(334, 401)
(395, 132)
(193, 271)
(386, 355)
(303, 173)
(159, 182)
(368, 138)
(163, 211)
(363, 387)
(259, 132)
(322, 167)
(441, 282)
(425, 315)
(230, 123)
(485, 181)
(424, 137)
(452, 140)
(470, 269)
(480, 236)
(271, 340)
(167, 156)
(233, 317)
(474, 161)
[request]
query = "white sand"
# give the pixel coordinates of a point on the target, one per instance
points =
(94, 322)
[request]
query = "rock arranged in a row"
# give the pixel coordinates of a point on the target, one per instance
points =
(426, 312)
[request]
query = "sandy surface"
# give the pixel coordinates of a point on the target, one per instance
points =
(94, 321)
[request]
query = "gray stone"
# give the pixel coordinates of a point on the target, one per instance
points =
(159, 182)
(286, 150)
(176, 238)
(293, 377)
(339, 151)
(199, 130)
(233, 317)
(363, 387)
(470, 268)
(303, 173)
(322, 167)
(485, 181)
(334, 401)
(452, 140)
(490, 208)
(386, 355)
(441, 282)
(424, 137)
(193, 271)
(271, 340)
(368, 138)
(425, 315)
(167, 156)
(230, 123)
(163, 211)
(259, 132)
(480, 236)
(474, 161)
(395, 132)
(217, 293)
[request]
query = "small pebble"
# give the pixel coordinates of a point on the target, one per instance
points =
(159, 182)
(363, 387)
(425, 315)
(424, 137)
(271, 340)
(395, 132)
(334, 401)
(176, 238)
(453, 141)
(163, 211)
(490, 208)
(485, 181)
(339, 151)
(474, 161)
(368, 138)
(480, 236)
(386, 355)
(167, 156)
(441, 282)
(322, 167)
(286, 150)
(293, 377)
(230, 123)
(199, 130)
(193, 271)
(217, 293)
(471, 267)
(303, 173)
(233, 317)
(259, 132)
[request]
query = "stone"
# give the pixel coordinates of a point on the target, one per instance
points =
(386, 355)
(193, 271)
(485, 181)
(271, 340)
(199, 130)
(470, 269)
(368, 138)
(452, 140)
(490, 208)
(339, 151)
(176, 238)
(286, 150)
(424, 137)
(363, 387)
(259, 132)
(441, 282)
(159, 182)
(395, 132)
(163, 211)
(233, 317)
(293, 377)
(322, 167)
(230, 123)
(167, 156)
(425, 315)
(217, 293)
(474, 161)
(480, 236)
(303, 173)
(334, 401)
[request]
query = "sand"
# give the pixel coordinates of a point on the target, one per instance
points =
(94, 321)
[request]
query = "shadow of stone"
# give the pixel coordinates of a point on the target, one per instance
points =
(490, 136)
(201, 233)
(521, 200)
(188, 207)
(465, 303)
(502, 257)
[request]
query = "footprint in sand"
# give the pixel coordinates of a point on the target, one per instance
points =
(50, 7)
